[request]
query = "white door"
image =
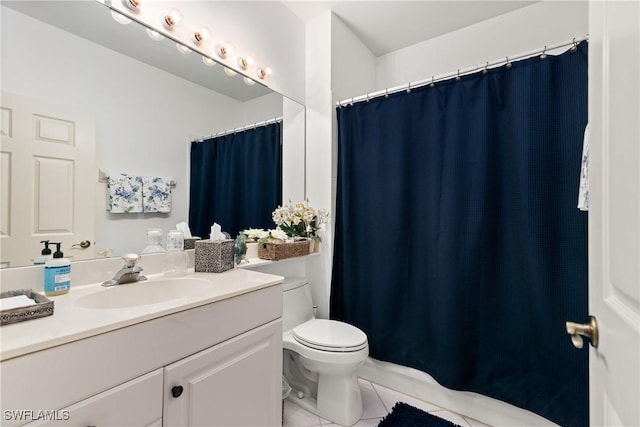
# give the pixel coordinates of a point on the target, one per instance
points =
(614, 213)
(47, 180)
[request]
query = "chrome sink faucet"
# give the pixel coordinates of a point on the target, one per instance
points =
(127, 274)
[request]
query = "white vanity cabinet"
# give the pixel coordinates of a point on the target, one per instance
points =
(226, 356)
(113, 407)
(231, 384)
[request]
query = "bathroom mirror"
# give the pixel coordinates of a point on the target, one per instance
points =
(139, 102)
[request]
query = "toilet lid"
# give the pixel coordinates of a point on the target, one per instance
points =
(330, 335)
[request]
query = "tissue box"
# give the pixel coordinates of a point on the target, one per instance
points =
(214, 256)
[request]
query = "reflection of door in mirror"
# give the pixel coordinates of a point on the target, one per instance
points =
(47, 153)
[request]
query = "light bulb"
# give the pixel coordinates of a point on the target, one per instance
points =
(229, 72)
(183, 49)
(133, 4)
(245, 62)
(224, 50)
(172, 19)
(208, 61)
(264, 72)
(200, 36)
(154, 35)
(248, 81)
(120, 19)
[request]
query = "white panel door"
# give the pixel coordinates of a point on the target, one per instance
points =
(235, 383)
(47, 183)
(614, 213)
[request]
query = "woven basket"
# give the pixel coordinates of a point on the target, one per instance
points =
(43, 307)
(281, 250)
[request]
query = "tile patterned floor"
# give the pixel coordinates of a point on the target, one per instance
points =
(377, 401)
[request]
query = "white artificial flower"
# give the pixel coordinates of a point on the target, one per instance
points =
(278, 234)
(254, 233)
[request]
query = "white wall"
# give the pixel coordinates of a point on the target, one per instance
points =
(319, 148)
(138, 128)
(263, 108)
(337, 62)
(526, 29)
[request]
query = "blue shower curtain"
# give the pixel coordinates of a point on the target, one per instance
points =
(459, 249)
(236, 180)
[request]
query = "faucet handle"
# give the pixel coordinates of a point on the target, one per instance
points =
(131, 259)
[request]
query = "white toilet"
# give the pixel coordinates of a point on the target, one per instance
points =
(321, 358)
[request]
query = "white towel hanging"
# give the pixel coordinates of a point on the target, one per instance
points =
(583, 192)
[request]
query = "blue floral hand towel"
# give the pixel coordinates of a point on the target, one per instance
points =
(125, 194)
(157, 194)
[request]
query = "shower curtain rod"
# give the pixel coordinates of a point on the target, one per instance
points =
(458, 73)
(240, 129)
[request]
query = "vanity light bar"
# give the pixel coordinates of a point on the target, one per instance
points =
(173, 18)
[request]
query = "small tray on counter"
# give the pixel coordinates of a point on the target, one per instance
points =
(43, 307)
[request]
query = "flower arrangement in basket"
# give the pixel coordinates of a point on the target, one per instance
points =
(296, 234)
(300, 220)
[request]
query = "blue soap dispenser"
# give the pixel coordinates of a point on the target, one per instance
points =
(45, 255)
(57, 274)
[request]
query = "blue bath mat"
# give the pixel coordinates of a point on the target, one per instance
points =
(403, 415)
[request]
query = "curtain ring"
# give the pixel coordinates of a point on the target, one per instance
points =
(433, 83)
(351, 102)
(458, 75)
(386, 92)
(486, 68)
(575, 45)
(367, 97)
(508, 63)
(544, 54)
(409, 87)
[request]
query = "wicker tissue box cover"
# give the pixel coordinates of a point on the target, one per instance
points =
(214, 256)
(280, 250)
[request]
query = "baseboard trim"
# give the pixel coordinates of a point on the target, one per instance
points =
(473, 405)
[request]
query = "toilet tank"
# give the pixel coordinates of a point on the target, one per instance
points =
(297, 305)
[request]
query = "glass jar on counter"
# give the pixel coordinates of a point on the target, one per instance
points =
(177, 259)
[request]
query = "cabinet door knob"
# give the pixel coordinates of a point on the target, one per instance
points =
(176, 391)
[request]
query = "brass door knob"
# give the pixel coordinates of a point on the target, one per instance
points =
(84, 244)
(579, 330)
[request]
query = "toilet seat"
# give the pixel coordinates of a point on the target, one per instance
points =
(330, 335)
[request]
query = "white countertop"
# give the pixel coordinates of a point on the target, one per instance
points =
(71, 322)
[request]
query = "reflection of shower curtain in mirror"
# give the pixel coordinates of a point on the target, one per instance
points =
(459, 249)
(236, 180)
